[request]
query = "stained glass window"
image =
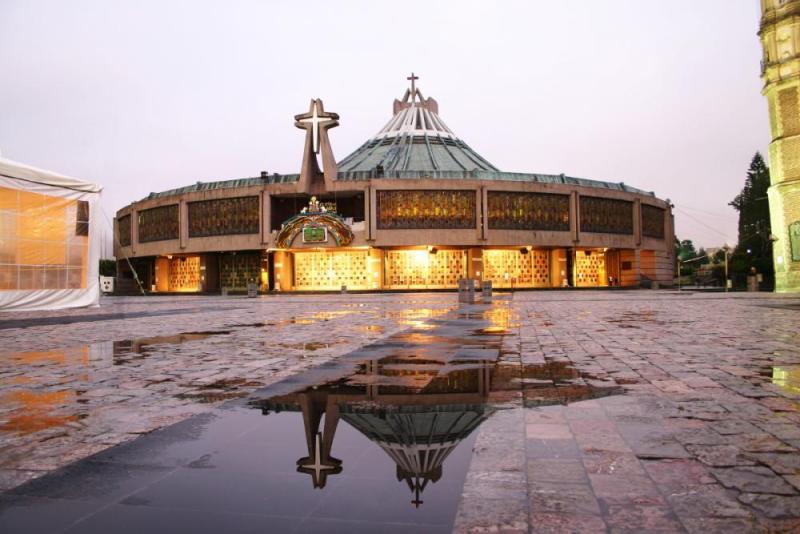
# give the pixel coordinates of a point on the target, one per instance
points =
(124, 230)
(606, 215)
(158, 224)
(224, 216)
(528, 211)
(652, 221)
(400, 210)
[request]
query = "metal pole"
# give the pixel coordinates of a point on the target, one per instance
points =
(726, 270)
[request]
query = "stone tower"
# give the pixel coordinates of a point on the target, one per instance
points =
(780, 70)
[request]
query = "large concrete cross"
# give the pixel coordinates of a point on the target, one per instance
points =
(315, 118)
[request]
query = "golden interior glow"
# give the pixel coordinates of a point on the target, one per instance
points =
(422, 269)
(184, 274)
(590, 268)
(512, 268)
(39, 248)
(787, 378)
(329, 270)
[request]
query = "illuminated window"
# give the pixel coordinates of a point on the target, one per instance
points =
(44, 241)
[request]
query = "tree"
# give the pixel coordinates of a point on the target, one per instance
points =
(108, 268)
(753, 208)
(686, 250)
(755, 247)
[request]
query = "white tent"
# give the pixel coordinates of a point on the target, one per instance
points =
(49, 239)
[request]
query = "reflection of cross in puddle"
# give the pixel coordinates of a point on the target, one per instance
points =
(319, 463)
(417, 427)
(319, 470)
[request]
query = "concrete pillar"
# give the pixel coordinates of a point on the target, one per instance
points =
(475, 259)
(266, 218)
(484, 214)
(368, 209)
(574, 217)
(372, 223)
(134, 230)
(183, 223)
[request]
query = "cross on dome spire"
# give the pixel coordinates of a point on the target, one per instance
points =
(413, 79)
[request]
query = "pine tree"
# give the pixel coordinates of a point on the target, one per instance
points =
(754, 247)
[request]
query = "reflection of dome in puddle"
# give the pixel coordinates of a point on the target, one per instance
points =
(417, 438)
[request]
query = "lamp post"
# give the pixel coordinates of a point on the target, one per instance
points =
(727, 250)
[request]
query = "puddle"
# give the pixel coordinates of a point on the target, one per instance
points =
(416, 412)
(34, 402)
(124, 350)
(310, 346)
(787, 378)
(380, 438)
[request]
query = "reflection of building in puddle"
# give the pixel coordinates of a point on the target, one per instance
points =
(787, 378)
(28, 405)
(126, 349)
(37, 410)
(417, 318)
(416, 411)
(553, 382)
(501, 319)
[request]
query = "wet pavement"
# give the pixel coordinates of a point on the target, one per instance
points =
(646, 411)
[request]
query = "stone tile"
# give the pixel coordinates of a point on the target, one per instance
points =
(562, 498)
(677, 476)
(612, 463)
(720, 455)
(548, 431)
(555, 523)
(486, 515)
(625, 490)
(710, 500)
(752, 480)
(642, 519)
(555, 470)
(773, 506)
(495, 485)
(714, 525)
(552, 448)
(782, 463)
(733, 426)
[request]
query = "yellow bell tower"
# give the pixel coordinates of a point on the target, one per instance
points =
(780, 70)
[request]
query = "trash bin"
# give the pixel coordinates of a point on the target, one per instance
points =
(466, 290)
(752, 283)
(486, 288)
(107, 284)
(252, 290)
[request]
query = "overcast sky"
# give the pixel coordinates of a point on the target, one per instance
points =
(144, 96)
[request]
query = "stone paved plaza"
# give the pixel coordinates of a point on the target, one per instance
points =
(621, 411)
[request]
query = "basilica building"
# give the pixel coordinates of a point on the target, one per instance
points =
(413, 208)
